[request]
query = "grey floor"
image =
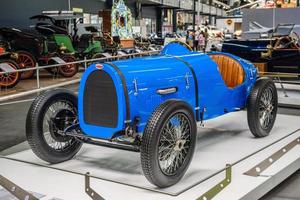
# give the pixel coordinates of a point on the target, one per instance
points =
(12, 132)
(287, 190)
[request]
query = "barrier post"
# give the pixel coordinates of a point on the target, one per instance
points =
(37, 76)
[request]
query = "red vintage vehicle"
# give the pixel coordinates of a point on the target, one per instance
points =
(8, 65)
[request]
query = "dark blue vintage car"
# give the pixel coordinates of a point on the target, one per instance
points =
(279, 51)
(150, 105)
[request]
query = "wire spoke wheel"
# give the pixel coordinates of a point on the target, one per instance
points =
(26, 60)
(266, 108)
(48, 117)
(174, 143)
(262, 107)
(58, 117)
(68, 70)
(168, 143)
(9, 79)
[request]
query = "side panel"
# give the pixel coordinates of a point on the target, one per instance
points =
(144, 78)
(215, 98)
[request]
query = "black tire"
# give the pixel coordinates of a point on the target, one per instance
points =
(9, 80)
(35, 125)
(152, 140)
(258, 110)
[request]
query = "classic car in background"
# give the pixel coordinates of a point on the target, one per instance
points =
(213, 32)
(38, 47)
(278, 52)
(171, 37)
(8, 65)
(150, 105)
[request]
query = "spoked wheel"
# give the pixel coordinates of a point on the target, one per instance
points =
(48, 117)
(168, 143)
(26, 60)
(9, 80)
(262, 107)
(174, 144)
(68, 70)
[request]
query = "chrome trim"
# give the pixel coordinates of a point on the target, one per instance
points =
(167, 91)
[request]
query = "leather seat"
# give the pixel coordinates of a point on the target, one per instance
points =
(230, 69)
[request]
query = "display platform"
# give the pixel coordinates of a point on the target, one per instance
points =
(289, 96)
(225, 140)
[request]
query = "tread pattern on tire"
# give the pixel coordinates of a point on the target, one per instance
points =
(252, 102)
(148, 140)
(146, 143)
(32, 127)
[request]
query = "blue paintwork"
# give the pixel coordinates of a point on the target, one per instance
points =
(165, 71)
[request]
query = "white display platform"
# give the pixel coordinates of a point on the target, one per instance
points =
(223, 140)
(292, 92)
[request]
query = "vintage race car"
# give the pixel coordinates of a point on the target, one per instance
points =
(150, 105)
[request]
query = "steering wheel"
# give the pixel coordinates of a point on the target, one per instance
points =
(283, 42)
(295, 39)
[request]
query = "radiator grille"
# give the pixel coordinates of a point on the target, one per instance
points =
(100, 104)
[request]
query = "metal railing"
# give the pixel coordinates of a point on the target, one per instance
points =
(84, 63)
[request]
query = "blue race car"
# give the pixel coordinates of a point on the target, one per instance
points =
(150, 105)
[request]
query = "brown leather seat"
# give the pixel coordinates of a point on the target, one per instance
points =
(230, 69)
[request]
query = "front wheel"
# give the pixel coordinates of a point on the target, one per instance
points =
(9, 78)
(49, 115)
(262, 107)
(168, 143)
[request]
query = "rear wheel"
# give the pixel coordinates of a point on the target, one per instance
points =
(68, 70)
(9, 80)
(49, 115)
(168, 143)
(262, 107)
(26, 60)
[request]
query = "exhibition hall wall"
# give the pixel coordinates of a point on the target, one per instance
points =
(269, 18)
(16, 13)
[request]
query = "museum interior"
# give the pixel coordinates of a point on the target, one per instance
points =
(155, 99)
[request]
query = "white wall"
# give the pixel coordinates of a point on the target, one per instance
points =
(222, 23)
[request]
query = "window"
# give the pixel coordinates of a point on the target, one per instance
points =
(94, 19)
(86, 18)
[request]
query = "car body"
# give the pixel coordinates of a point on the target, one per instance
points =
(277, 53)
(151, 105)
(143, 84)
